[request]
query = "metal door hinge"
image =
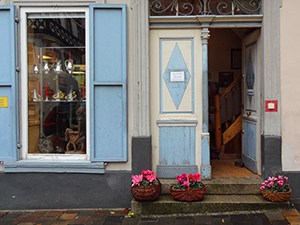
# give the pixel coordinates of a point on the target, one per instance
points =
(19, 146)
(18, 69)
(17, 20)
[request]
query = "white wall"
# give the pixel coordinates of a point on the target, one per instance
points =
(290, 84)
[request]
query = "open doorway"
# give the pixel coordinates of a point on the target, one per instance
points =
(226, 101)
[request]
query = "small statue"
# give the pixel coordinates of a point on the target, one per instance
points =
(76, 137)
(45, 144)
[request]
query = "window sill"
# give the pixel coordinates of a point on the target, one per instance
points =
(29, 166)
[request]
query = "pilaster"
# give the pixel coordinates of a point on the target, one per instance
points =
(205, 161)
(140, 46)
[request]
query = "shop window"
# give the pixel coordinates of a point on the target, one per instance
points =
(56, 83)
(65, 110)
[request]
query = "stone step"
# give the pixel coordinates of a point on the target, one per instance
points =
(212, 204)
(224, 186)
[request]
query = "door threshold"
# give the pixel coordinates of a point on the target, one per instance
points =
(230, 168)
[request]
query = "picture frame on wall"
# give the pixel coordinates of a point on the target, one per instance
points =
(225, 78)
(236, 58)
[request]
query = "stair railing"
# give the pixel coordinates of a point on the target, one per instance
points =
(230, 110)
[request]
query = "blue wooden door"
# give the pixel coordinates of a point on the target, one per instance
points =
(108, 82)
(176, 107)
(251, 113)
(8, 95)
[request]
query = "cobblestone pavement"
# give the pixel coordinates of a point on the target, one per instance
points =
(122, 217)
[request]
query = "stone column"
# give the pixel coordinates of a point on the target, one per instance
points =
(205, 161)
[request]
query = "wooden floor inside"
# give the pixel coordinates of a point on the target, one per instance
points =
(228, 168)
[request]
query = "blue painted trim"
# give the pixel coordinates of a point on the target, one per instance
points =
(25, 166)
(177, 122)
(12, 84)
(177, 145)
(161, 74)
(205, 148)
(113, 84)
(205, 161)
(193, 75)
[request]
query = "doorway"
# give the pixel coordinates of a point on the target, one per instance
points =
(233, 90)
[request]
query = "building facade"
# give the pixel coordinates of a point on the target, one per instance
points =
(92, 92)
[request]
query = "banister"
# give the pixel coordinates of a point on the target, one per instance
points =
(231, 86)
(218, 99)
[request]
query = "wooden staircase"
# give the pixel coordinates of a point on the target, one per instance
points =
(228, 118)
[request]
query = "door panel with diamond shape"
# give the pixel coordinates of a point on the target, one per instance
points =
(176, 112)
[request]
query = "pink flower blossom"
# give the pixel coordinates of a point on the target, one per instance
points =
(151, 178)
(186, 183)
(280, 182)
(136, 180)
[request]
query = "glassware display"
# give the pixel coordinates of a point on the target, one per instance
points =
(56, 85)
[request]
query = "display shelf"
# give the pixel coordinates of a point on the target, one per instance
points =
(56, 85)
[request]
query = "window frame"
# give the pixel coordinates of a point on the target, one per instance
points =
(23, 94)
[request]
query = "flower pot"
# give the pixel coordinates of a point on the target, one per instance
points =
(188, 195)
(276, 196)
(143, 194)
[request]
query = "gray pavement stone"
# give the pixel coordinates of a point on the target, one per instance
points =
(113, 220)
(259, 219)
(221, 220)
(166, 221)
(203, 220)
(148, 221)
(274, 216)
(184, 220)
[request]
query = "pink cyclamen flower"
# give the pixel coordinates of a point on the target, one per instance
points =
(136, 180)
(151, 178)
(280, 182)
(186, 183)
(270, 184)
(147, 172)
(197, 177)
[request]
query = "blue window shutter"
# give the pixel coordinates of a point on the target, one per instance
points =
(8, 95)
(108, 83)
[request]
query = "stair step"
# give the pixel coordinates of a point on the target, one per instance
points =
(212, 204)
(224, 186)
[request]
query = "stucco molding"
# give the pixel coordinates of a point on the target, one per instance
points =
(140, 46)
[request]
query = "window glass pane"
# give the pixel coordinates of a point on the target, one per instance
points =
(56, 83)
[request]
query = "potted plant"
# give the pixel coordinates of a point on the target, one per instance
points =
(146, 186)
(276, 189)
(189, 188)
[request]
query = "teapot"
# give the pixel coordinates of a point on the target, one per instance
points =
(57, 67)
(69, 65)
(35, 69)
(46, 68)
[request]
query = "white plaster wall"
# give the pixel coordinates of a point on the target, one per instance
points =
(290, 81)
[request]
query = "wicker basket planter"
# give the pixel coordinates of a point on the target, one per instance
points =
(276, 196)
(188, 195)
(144, 194)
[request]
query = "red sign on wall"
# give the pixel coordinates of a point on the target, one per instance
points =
(271, 105)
